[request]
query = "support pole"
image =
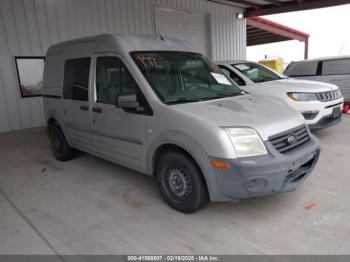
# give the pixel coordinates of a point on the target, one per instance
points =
(306, 49)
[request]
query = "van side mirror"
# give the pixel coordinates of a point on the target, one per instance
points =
(128, 102)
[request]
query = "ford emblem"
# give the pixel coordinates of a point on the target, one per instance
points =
(292, 139)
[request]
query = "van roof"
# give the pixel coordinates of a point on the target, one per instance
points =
(322, 59)
(125, 43)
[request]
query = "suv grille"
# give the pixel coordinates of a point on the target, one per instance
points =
(291, 139)
(329, 95)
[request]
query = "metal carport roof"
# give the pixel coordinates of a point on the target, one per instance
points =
(268, 7)
(263, 31)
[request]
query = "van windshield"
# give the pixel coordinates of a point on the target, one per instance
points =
(257, 73)
(181, 77)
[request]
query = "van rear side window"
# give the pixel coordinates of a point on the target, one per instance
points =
(302, 69)
(336, 67)
(76, 79)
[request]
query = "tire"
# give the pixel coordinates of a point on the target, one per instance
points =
(59, 146)
(181, 182)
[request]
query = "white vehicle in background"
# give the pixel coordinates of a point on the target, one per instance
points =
(334, 70)
(320, 103)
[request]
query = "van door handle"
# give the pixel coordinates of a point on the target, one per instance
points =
(97, 110)
(84, 108)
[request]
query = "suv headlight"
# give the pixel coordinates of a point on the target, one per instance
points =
(246, 141)
(303, 96)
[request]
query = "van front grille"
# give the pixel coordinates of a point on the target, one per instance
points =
(291, 139)
(329, 95)
(295, 177)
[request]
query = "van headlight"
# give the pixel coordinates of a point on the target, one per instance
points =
(303, 96)
(246, 141)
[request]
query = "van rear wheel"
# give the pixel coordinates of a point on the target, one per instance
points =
(181, 183)
(59, 146)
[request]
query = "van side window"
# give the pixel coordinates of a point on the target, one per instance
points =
(302, 68)
(113, 79)
(236, 78)
(108, 77)
(76, 79)
(336, 67)
(128, 85)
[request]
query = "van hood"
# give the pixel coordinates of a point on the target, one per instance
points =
(267, 116)
(296, 85)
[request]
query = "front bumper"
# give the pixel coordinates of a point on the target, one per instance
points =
(323, 110)
(324, 122)
(276, 172)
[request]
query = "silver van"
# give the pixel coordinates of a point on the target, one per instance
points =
(154, 105)
(334, 70)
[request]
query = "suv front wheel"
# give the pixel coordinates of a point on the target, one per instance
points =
(181, 183)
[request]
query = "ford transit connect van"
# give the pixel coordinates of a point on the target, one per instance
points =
(156, 106)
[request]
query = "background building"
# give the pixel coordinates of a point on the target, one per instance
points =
(29, 27)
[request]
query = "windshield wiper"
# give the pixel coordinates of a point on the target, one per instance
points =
(228, 94)
(203, 98)
(268, 80)
(182, 100)
(220, 95)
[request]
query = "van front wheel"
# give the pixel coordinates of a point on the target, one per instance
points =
(60, 148)
(181, 183)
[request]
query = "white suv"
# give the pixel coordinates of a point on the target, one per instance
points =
(320, 103)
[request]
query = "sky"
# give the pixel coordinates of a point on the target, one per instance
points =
(328, 29)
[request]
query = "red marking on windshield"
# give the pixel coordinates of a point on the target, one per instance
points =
(148, 61)
(141, 58)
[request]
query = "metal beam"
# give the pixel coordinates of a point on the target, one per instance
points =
(291, 6)
(246, 3)
(262, 39)
(268, 41)
(252, 29)
(253, 32)
(274, 2)
(301, 3)
(261, 33)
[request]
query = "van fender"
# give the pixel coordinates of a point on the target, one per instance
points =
(54, 114)
(193, 148)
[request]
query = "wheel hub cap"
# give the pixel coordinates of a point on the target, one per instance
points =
(178, 182)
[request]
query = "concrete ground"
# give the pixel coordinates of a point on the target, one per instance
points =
(91, 206)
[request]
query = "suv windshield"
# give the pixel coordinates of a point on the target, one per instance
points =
(181, 77)
(257, 73)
